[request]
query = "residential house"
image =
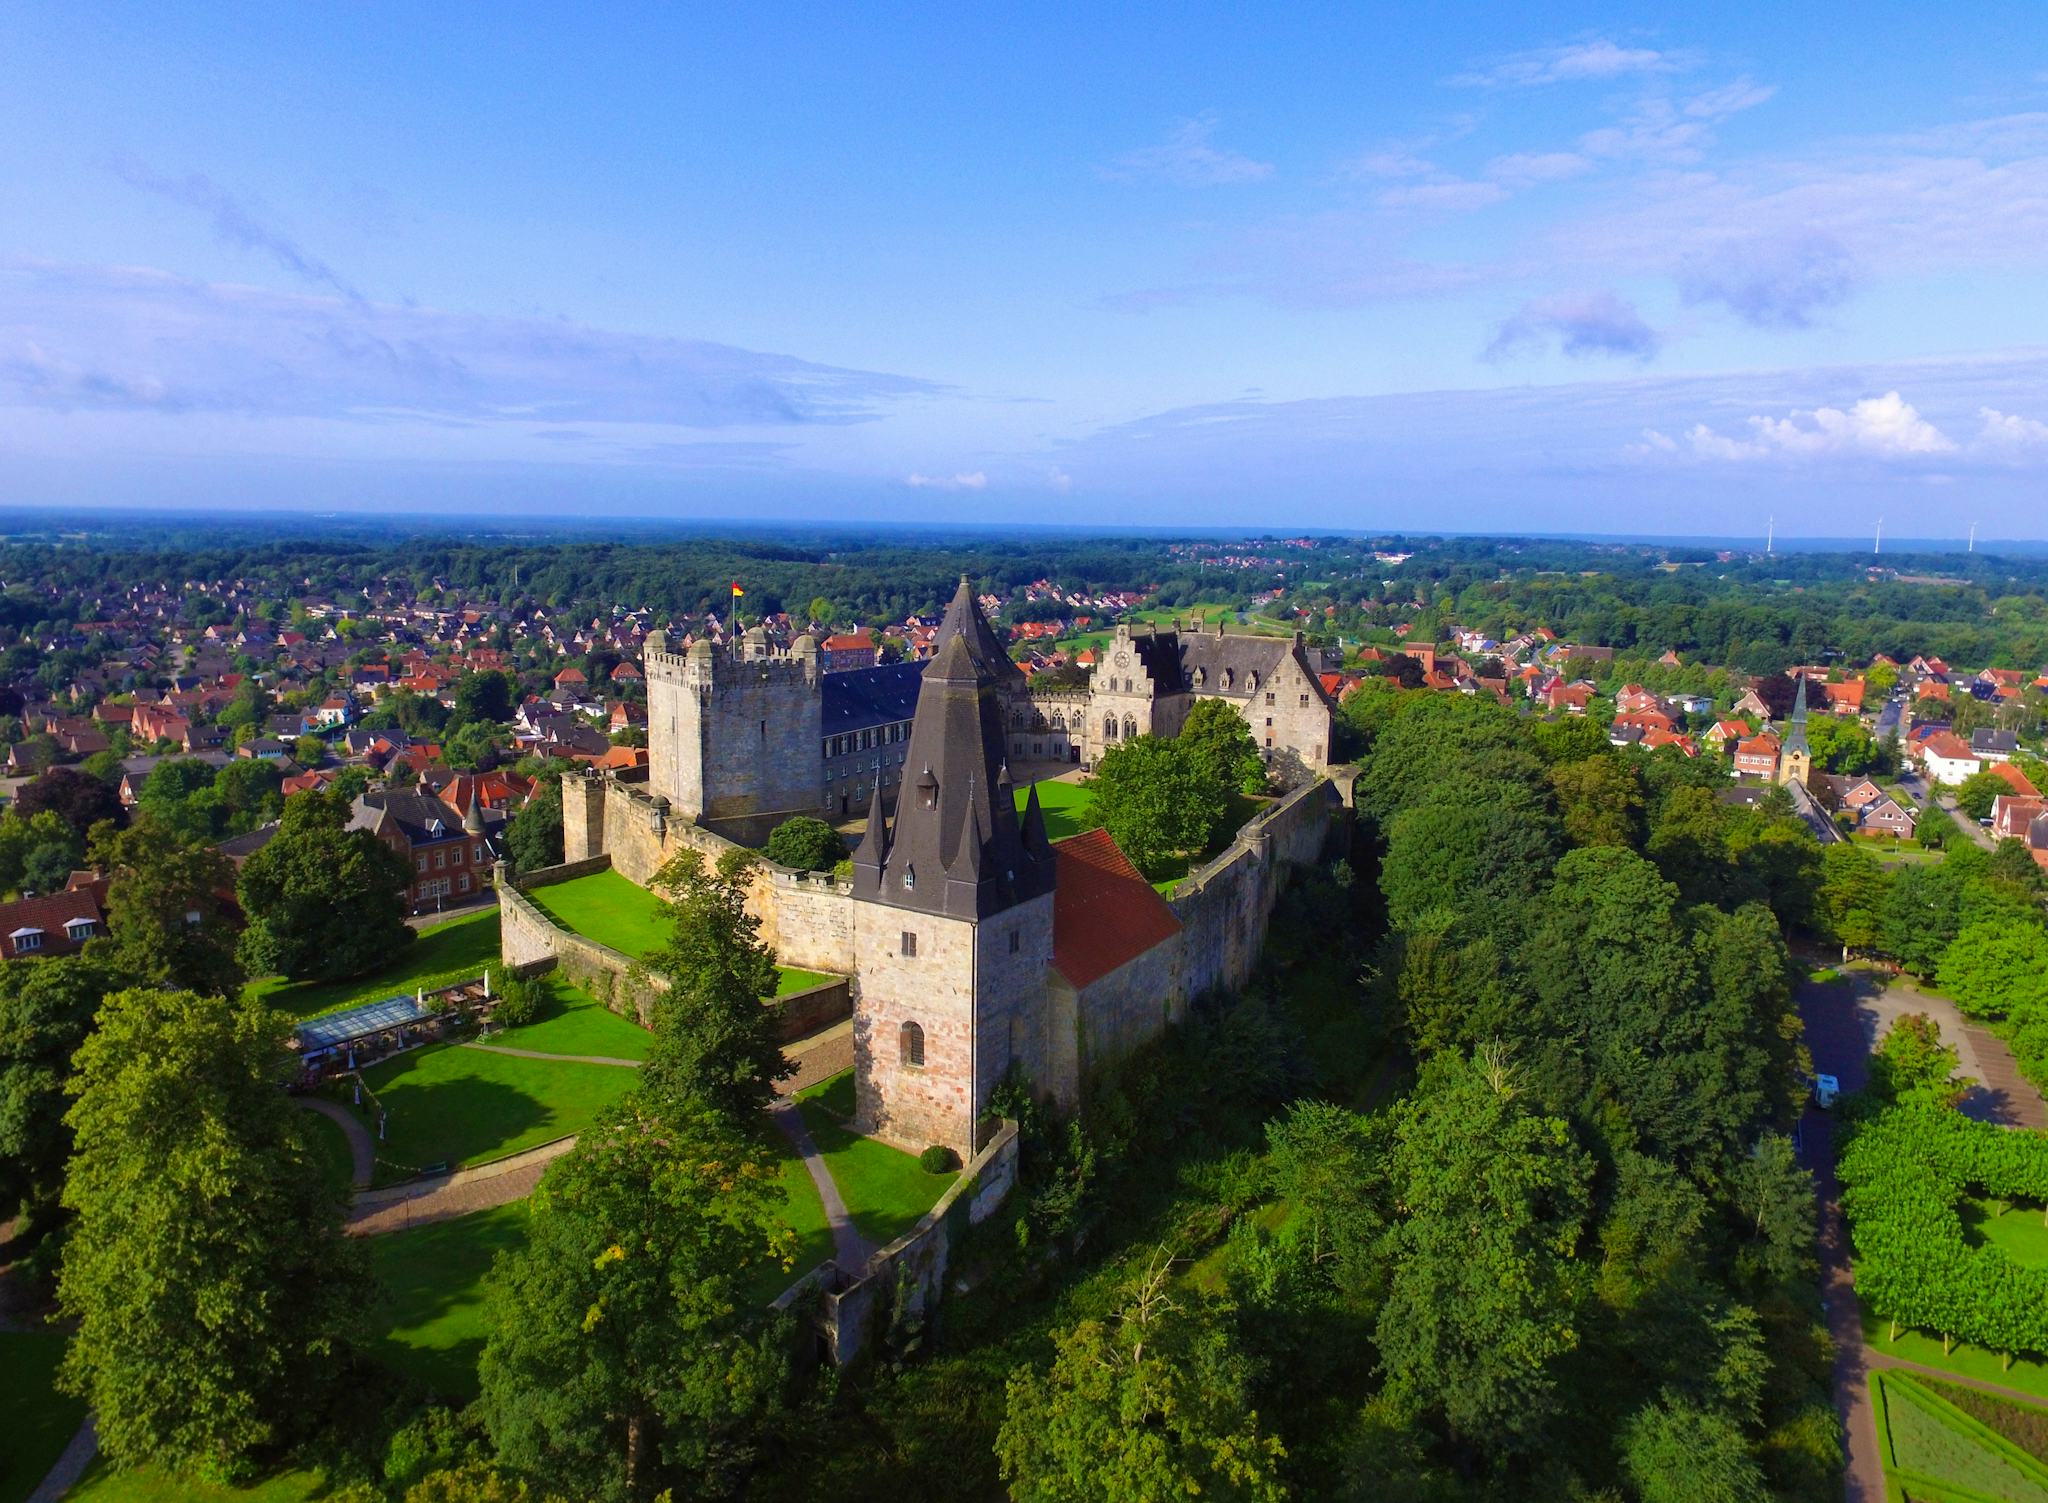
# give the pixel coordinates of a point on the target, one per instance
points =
(1721, 732)
(58, 924)
(1757, 757)
(2012, 813)
(1989, 745)
(1948, 759)
(1844, 698)
(450, 854)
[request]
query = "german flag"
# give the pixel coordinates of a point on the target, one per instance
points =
(736, 590)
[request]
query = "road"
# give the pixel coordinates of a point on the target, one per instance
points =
(1938, 798)
(1844, 1021)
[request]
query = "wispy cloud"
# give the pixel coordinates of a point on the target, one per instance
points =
(1581, 324)
(126, 339)
(1771, 281)
(1662, 130)
(1521, 169)
(1453, 196)
(1189, 158)
(971, 480)
(1592, 61)
(234, 222)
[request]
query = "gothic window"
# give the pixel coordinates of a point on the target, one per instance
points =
(1059, 721)
(911, 1044)
(1109, 728)
(1130, 726)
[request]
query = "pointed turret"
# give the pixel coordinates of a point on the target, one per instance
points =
(1795, 733)
(963, 619)
(874, 842)
(1036, 841)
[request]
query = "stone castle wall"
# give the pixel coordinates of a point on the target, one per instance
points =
(913, 1106)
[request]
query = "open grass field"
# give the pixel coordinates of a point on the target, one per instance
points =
(40, 1420)
(2018, 1232)
(104, 1484)
(1066, 807)
(458, 950)
(430, 1323)
(453, 1105)
(886, 1191)
(577, 1023)
(604, 906)
(1938, 1452)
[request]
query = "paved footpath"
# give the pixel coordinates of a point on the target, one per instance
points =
(850, 1250)
(1843, 1024)
(362, 1152)
(567, 1059)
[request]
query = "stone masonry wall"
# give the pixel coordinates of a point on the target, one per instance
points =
(913, 1106)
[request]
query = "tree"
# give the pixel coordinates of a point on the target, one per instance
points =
(1675, 1451)
(199, 1347)
(1912, 1065)
(46, 1011)
(1979, 791)
(170, 791)
(1153, 1405)
(1996, 969)
(805, 844)
(251, 794)
(169, 914)
(533, 836)
(322, 900)
(1493, 1199)
(1852, 895)
(488, 696)
(1325, 1166)
(714, 1044)
(1774, 1198)
(1216, 739)
(1473, 844)
(309, 751)
(1601, 798)
(37, 854)
(1154, 802)
(77, 798)
(622, 1350)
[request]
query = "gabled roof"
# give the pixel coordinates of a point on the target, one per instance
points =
(1104, 913)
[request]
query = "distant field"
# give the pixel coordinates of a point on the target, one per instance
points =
(459, 950)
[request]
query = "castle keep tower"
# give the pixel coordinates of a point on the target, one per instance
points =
(953, 911)
(733, 734)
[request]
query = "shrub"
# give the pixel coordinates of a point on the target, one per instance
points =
(521, 1000)
(937, 1159)
(805, 844)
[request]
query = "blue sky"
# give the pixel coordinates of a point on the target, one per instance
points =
(1565, 267)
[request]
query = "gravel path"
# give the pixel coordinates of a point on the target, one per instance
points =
(568, 1059)
(850, 1250)
(379, 1211)
(362, 1153)
(78, 1455)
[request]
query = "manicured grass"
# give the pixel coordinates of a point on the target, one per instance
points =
(885, 1190)
(2018, 1233)
(430, 1322)
(1925, 1438)
(335, 1158)
(2026, 1375)
(105, 1484)
(40, 1420)
(2022, 1424)
(789, 979)
(834, 1093)
(604, 906)
(454, 1105)
(1066, 807)
(459, 950)
(577, 1023)
(806, 1215)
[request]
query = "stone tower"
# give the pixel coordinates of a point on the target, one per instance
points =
(953, 911)
(1795, 757)
(733, 733)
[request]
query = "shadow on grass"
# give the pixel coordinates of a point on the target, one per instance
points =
(433, 1293)
(456, 1120)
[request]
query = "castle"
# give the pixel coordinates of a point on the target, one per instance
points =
(973, 945)
(741, 738)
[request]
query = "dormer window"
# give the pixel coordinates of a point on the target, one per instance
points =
(910, 879)
(1251, 681)
(79, 929)
(26, 939)
(927, 789)
(1227, 677)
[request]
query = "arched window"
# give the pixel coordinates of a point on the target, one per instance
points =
(1130, 726)
(1109, 728)
(1059, 722)
(911, 1044)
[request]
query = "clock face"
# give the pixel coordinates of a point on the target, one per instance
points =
(1123, 660)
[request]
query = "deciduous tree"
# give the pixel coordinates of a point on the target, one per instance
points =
(322, 900)
(169, 909)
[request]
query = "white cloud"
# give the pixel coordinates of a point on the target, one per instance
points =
(1524, 168)
(973, 480)
(1186, 157)
(1393, 161)
(1059, 480)
(2003, 430)
(1657, 129)
(1580, 62)
(1455, 196)
(1886, 427)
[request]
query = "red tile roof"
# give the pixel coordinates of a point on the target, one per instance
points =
(1104, 913)
(2015, 777)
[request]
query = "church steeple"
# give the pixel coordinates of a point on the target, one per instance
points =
(956, 847)
(1795, 733)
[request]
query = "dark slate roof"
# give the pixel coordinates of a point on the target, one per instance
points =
(957, 847)
(1985, 739)
(963, 619)
(1795, 735)
(422, 817)
(870, 697)
(1182, 661)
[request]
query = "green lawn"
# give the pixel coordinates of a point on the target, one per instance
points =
(40, 1420)
(459, 950)
(884, 1188)
(104, 1484)
(604, 906)
(430, 1323)
(577, 1023)
(332, 1144)
(806, 1215)
(2026, 1375)
(1066, 807)
(1923, 1437)
(454, 1105)
(2018, 1233)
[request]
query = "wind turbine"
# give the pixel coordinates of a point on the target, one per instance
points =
(1973, 538)
(1878, 546)
(1770, 534)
